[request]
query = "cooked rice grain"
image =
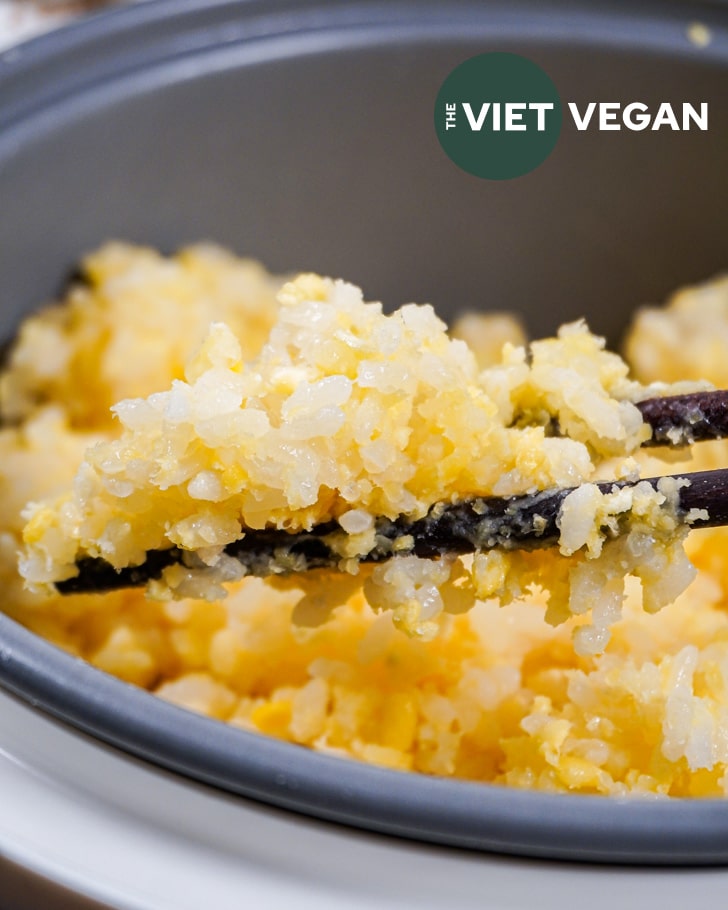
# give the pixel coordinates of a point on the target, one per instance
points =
(401, 415)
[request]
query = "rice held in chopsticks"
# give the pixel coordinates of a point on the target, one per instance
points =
(346, 413)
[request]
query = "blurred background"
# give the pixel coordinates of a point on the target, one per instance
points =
(21, 19)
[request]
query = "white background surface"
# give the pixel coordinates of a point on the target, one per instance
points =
(110, 827)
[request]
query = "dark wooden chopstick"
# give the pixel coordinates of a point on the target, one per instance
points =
(681, 420)
(480, 523)
(516, 522)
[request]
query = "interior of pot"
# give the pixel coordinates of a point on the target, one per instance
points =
(315, 149)
(302, 134)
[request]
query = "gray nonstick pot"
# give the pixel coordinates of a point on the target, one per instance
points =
(302, 134)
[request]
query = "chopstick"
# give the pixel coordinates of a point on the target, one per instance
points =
(514, 522)
(681, 420)
(479, 523)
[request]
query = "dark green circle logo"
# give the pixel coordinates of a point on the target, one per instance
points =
(498, 116)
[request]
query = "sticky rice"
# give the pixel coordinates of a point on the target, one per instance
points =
(599, 667)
